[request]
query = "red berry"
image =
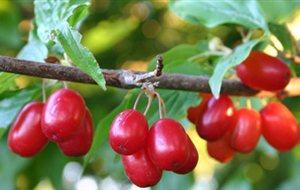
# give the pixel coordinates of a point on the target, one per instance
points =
(128, 132)
(220, 149)
(217, 118)
(247, 130)
(140, 169)
(168, 144)
(195, 113)
(25, 137)
(279, 126)
(191, 161)
(63, 115)
(263, 72)
(81, 142)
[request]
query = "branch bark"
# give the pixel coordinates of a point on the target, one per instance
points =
(119, 78)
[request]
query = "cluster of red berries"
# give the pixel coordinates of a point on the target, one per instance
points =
(147, 152)
(63, 119)
(228, 130)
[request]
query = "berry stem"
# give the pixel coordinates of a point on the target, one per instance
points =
(44, 90)
(161, 106)
(150, 99)
(65, 84)
(137, 100)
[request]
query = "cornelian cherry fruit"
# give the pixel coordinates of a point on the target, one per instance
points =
(217, 118)
(221, 149)
(246, 130)
(194, 114)
(140, 169)
(263, 72)
(128, 132)
(25, 137)
(279, 126)
(63, 115)
(80, 143)
(191, 161)
(168, 145)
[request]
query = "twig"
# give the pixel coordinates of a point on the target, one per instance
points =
(159, 66)
(120, 78)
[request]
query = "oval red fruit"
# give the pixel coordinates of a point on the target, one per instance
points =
(168, 144)
(191, 161)
(246, 130)
(263, 72)
(220, 149)
(25, 137)
(63, 115)
(217, 118)
(128, 132)
(140, 169)
(279, 126)
(81, 142)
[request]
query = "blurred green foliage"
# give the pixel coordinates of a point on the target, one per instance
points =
(128, 34)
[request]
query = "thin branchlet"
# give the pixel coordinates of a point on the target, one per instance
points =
(159, 65)
(122, 78)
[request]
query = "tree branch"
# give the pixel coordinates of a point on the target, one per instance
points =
(119, 78)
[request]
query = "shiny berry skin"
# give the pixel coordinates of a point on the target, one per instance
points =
(263, 72)
(63, 114)
(221, 149)
(191, 161)
(217, 118)
(128, 132)
(25, 137)
(168, 144)
(279, 126)
(140, 169)
(247, 130)
(81, 142)
(194, 114)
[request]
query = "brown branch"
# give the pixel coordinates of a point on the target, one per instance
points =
(119, 78)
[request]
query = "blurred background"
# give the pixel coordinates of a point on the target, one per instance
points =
(128, 34)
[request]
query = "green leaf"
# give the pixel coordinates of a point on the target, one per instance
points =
(7, 81)
(52, 20)
(11, 103)
(279, 11)
(238, 55)
(284, 36)
(109, 163)
(8, 171)
(80, 56)
(50, 14)
(176, 60)
(78, 16)
(211, 14)
(35, 49)
(293, 104)
(177, 102)
(174, 181)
